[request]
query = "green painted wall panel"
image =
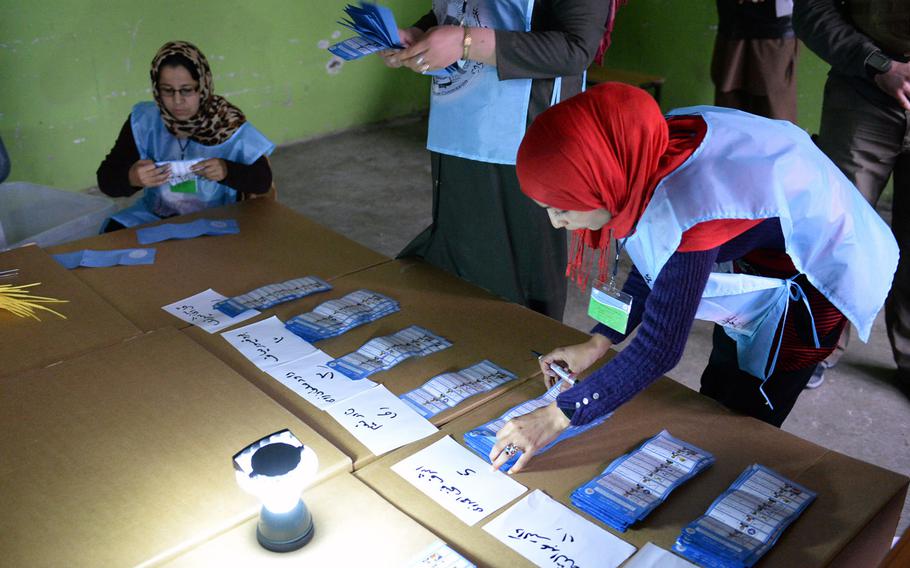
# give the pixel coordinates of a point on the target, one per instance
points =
(71, 70)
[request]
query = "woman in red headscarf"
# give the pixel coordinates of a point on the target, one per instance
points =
(717, 208)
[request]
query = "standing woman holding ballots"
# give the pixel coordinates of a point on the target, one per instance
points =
(496, 64)
(190, 149)
(727, 217)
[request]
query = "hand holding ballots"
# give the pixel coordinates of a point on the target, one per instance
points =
(375, 28)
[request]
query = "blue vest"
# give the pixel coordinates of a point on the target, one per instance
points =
(749, 167)
(155, 142)
(473, 114)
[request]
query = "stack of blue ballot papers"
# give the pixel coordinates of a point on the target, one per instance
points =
(376, 30)
(383, 353)
(335, 317)
(483, 438)
(272, 294)
(636, 483)
(745, 521)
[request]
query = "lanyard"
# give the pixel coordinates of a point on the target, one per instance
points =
(617, 246)
(183, 147)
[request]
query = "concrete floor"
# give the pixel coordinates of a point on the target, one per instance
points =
(373, 185)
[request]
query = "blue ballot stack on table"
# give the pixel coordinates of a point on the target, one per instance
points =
(483, 438)
(636, 483)
(376, 30)
(335, 317)
(270, 295)
(743, 523)
(383, 353)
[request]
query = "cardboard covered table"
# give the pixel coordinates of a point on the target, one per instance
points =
(90, 322)
(851, 522)
(354, 527)
(479, 326)
(123, 455)
(274, 244)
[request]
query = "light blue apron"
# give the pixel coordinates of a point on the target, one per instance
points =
(749, 167)
(156, 143)
(473, 114)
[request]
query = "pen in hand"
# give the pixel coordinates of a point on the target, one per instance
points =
(561, 372)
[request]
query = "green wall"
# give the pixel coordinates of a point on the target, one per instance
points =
(675, 38)
(70, 70)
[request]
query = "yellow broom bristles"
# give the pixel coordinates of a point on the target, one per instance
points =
(19, 301)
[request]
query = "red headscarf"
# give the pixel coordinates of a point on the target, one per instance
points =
(608, 148)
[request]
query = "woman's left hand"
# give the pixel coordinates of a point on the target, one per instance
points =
(528, 434)
(214, 169)
(440, 47)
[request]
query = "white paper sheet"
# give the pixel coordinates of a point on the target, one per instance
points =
(652, 556)
(316, 382)
(268, 343)
(549, 534)
(199, 311)
(459, 480)
(440, 555)
(380, 420)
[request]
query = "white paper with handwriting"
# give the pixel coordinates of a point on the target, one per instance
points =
(199, 310)
(380, 420)
(548, 533)
(316, 382)
(459, 480)
(268, 343)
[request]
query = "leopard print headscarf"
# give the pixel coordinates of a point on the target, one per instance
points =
(216, 120)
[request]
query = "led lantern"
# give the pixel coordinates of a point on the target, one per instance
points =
(275, 469)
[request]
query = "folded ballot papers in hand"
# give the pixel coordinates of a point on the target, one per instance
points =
(375, 28)
(636, 483)
(335, 317)
(746, 520)
(483, 438)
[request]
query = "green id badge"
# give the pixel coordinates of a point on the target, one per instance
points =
(610, 307)
(188, 186)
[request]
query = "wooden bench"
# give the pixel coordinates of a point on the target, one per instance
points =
(598, 74)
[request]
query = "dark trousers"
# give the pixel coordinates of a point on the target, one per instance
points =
(870, 141)
(723, 381)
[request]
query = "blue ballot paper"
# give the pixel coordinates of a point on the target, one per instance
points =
(270, 295)
(104, 258)
(483, 438)
(376, 30)
(636, 483)
(743, 523)
(335, 317)
(384, 353)
(190, 230)
(448, 389)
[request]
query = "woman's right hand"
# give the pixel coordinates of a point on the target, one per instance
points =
(145, 173)
(574, 358)
(408, 37)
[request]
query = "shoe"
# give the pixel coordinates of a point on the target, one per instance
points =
(817, 378)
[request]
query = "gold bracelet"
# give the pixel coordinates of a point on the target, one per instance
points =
(466, 50)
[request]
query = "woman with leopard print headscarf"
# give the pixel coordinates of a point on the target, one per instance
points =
(190, 148)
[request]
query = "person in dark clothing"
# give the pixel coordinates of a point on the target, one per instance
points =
(190, 127)
(727, 217)
(865, 126)
(4, 162)
(504, 73)
(754, 63)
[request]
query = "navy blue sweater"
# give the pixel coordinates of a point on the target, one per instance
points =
(666, 313)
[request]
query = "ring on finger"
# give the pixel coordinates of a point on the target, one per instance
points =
(510, 449)
(419, 60)
(424, 67)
